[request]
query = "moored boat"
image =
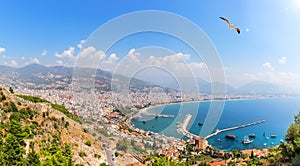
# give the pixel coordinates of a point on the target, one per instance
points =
(200, 124)
(273, 136)
(252, 136)
(230, 136)
(246, 140)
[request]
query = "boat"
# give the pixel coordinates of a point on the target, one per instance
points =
(265, 144)
(273, 136)
(219, 139)
(230, 136)
(144, 121)
(281, 141)
(246, 140)
(264, 134)
(200, 124)
(252, 136)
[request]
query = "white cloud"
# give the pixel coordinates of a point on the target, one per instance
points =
(60, 62)
(35, 60)
(13, 63)
(268, 65)
(69, 53)
(282, 60)
(22, 58)
(113, 58)
(2, 50)
(132, 51)
(90, 57)
(80, 44)
(44, 53)
(178, 65)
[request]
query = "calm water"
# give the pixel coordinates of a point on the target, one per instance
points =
(278, 113)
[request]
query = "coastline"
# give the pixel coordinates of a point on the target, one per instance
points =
(143, 110)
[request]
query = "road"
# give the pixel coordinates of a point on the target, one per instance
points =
(109, 156)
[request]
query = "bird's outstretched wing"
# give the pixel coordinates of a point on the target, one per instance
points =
(225, 19)
(237, 30)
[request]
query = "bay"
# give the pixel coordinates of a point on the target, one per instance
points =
(278, 113)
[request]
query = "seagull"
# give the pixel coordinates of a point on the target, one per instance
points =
(230, 26)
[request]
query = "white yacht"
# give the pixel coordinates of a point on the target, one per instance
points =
(246, 140)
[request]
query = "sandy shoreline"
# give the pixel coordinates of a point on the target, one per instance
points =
(144, 110)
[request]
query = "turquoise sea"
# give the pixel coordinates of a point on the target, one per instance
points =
(278, 113)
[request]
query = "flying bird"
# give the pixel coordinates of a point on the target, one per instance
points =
(230, 26)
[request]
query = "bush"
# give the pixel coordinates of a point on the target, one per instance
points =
(97, 156)
(67, 124)
(88, 142)
(32, 98)
(66, 112)
(11, 90)
(82, 154)
(85, 130)
(13, 107)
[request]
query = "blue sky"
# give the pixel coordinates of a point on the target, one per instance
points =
(267, 48)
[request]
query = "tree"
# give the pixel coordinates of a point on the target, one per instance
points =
(33, 159)
(252, 154)
(123, 144)
(11, 90)
(67, 124)
(103, 164)
(88, 142)
(3, 97)
(189, 148)
(226, 157)
(235, 153)
(292, 146)
(13, 107)
(12, 150)
(296, 161)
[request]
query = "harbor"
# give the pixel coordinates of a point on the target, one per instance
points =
(182, 128)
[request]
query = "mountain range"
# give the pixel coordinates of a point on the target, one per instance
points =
(39, 76)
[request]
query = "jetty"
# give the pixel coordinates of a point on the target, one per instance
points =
(234, 128)
(182, 128)
(158, 115)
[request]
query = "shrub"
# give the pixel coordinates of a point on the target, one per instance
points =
(67, 124)
(11, 90)
(88, 142)
(82, 154)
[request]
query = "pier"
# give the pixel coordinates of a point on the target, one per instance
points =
(182, 128)
(234, 128)
(158, 115)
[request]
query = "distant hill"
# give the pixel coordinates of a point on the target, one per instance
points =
(260, 87)
(191, 84)
(43, 77)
